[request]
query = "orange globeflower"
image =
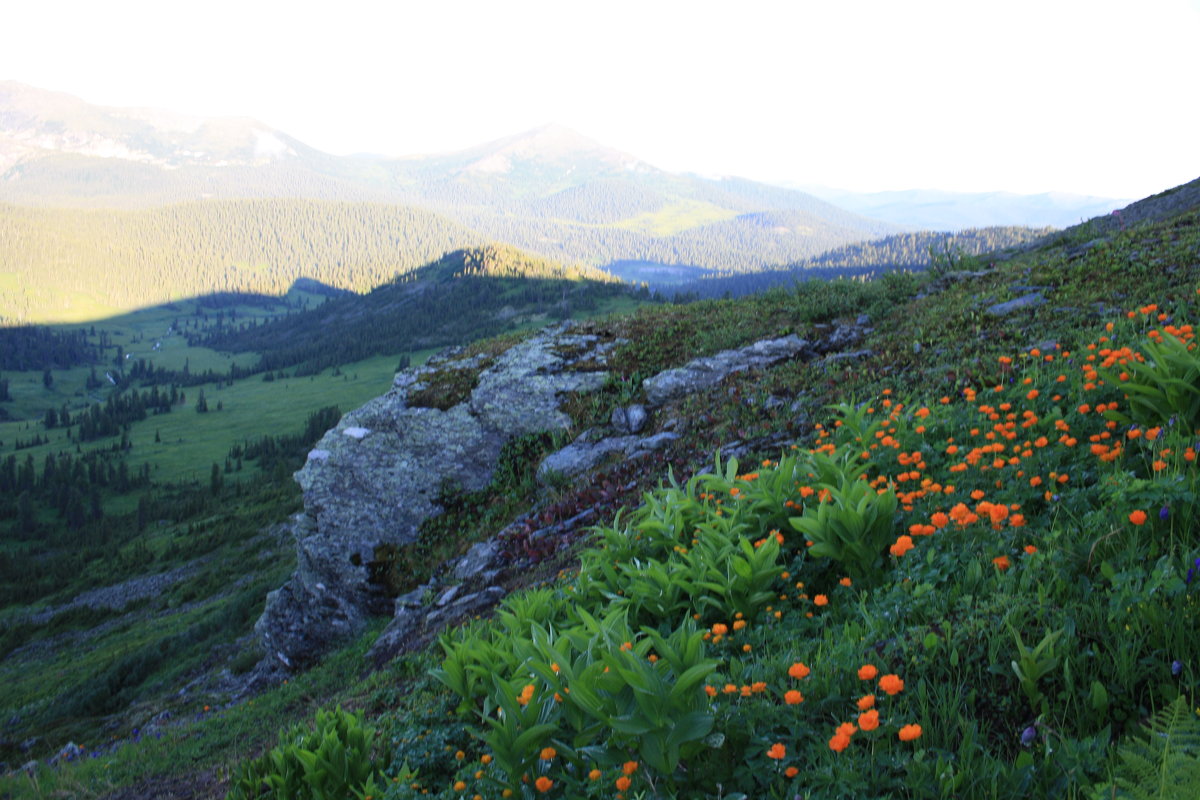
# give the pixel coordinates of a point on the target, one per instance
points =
(867, 672)
(720, 629)
(793, 697)
(792, 772)
(1138, 517)
(798, 670)
(844, 581)
(547, 754)
(1002, 563)
(839, 742)
(892, 684)
(544, 784)
(910, 732)
(594, 775)
(821, 600)
(629, 767)
(868, 720)
(866, 701)
(623, 783)
(777, 751)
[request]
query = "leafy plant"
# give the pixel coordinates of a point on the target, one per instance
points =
(1033, 664)
(1161, 385)
(329, 762)
(1163, 763)
(852, 525)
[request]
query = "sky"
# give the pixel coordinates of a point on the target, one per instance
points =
(1083, 96)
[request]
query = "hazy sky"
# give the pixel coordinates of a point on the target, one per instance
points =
(1085, 96)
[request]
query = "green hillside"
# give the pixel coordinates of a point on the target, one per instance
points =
(997, 601)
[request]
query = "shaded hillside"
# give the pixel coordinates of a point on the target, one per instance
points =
(71, 263)
(466, 295)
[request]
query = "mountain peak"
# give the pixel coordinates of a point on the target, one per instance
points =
(548, 144)
(35, 122)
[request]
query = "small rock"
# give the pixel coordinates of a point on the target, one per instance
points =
(1031, 300)
(630, 419)
(579, 457)
(413, 599)
(356, 432)
(477, 559)
(704, 373)
(447, 597)
(657, 441)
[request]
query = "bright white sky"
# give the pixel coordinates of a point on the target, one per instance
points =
(1088, 96)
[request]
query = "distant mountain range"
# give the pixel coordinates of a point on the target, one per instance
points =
(549, 190)
(930, 209)
(180, 205)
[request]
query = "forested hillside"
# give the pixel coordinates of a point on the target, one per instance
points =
(902, 251)
(69, 263)
(466, 295)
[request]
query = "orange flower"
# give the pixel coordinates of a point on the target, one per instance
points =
(623, 783)
(460, 786)
(798, 670)
(1030, 549)
(791, 772)
(821, 600)
(903, 545)
(594, 775)
(547, 754)
(711, 691)
(847, 729)
(793, 697)
(544, 784)
(739, 624)
(867, 672)
(839, 742)
(629, 767)
(1138, 517)
(777, 751)
(866, 701)
(844, 581)
(1002, 563)
(910, 732)
(868, 720)
(892, 684)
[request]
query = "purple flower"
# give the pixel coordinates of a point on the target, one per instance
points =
(1164, 512)
(1176, 667)
(1028, 736)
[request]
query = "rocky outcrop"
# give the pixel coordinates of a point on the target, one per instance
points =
(371, 481)
(704, 373)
